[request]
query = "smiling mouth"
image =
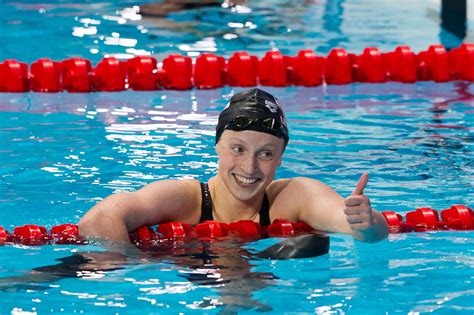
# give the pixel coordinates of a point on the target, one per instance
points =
(246, 180)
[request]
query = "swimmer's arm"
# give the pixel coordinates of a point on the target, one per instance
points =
(325, 210)
(115, 216)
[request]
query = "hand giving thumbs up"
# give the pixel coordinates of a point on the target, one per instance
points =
(357, 207)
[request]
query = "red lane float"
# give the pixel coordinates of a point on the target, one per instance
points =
(76, 75)
(458, 217)
(142, 74)
(338, 67)
(177, 72)
(45, 76)
(144, 236)
(14, 76)
(433, 65)
(209, 71)
(30, 234)
(242, 70)
(370, 67)
(461, 61)
(401, 65)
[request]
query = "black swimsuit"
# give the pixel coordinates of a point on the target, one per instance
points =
(206, 207)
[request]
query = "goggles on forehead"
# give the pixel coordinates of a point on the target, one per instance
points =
(269, 125)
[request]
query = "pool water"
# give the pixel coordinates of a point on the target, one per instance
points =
(61, 153)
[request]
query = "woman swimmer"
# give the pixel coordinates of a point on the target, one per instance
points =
(251, 136)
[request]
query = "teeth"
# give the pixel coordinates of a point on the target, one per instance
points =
(246, 180)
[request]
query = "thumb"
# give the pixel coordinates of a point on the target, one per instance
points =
(359, 190)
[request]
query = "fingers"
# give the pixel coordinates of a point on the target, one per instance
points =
(355, 205)
(356, 210)
(363, 180)
(356, 200)
(360, 226)
(358, 218)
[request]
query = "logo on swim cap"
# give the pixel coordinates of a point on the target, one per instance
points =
(271, 106)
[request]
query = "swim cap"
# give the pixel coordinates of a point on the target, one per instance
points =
(254, 110)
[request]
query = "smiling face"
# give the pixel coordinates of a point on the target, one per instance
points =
(248, 161)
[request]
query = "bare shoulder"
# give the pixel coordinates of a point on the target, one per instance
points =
(291, 198)
(295, 185)
(181, 186)
(180, 199)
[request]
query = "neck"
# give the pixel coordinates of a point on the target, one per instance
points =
(226, 208)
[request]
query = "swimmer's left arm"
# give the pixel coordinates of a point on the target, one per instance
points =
(324, 209)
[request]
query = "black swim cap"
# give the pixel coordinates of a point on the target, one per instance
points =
(254, 110)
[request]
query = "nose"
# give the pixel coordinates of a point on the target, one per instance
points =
(249, 164)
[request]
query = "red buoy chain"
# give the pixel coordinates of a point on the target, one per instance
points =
(209, 71)
(457, 217)
(31, 234)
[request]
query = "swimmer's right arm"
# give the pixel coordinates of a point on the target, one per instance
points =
(115, 216)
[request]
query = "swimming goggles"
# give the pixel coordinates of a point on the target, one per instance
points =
(268, 125)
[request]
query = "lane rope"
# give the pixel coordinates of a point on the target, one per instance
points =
(145, 236)
(209, 71)
(457, 217)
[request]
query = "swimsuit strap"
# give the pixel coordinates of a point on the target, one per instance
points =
(206, 207)
(264, 212)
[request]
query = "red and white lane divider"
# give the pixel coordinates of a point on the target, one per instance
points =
(209, 71)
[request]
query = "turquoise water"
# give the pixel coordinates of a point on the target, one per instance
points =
(61, 153)
(90, 29)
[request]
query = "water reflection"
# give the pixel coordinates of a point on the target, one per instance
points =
(447, 140)
(124, 30)
(223, 265)
(225, 268)
(223, 276)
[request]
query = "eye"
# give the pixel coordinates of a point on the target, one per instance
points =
(237, 149)
(266, 155)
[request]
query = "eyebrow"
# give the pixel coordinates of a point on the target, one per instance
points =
(265, 146)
